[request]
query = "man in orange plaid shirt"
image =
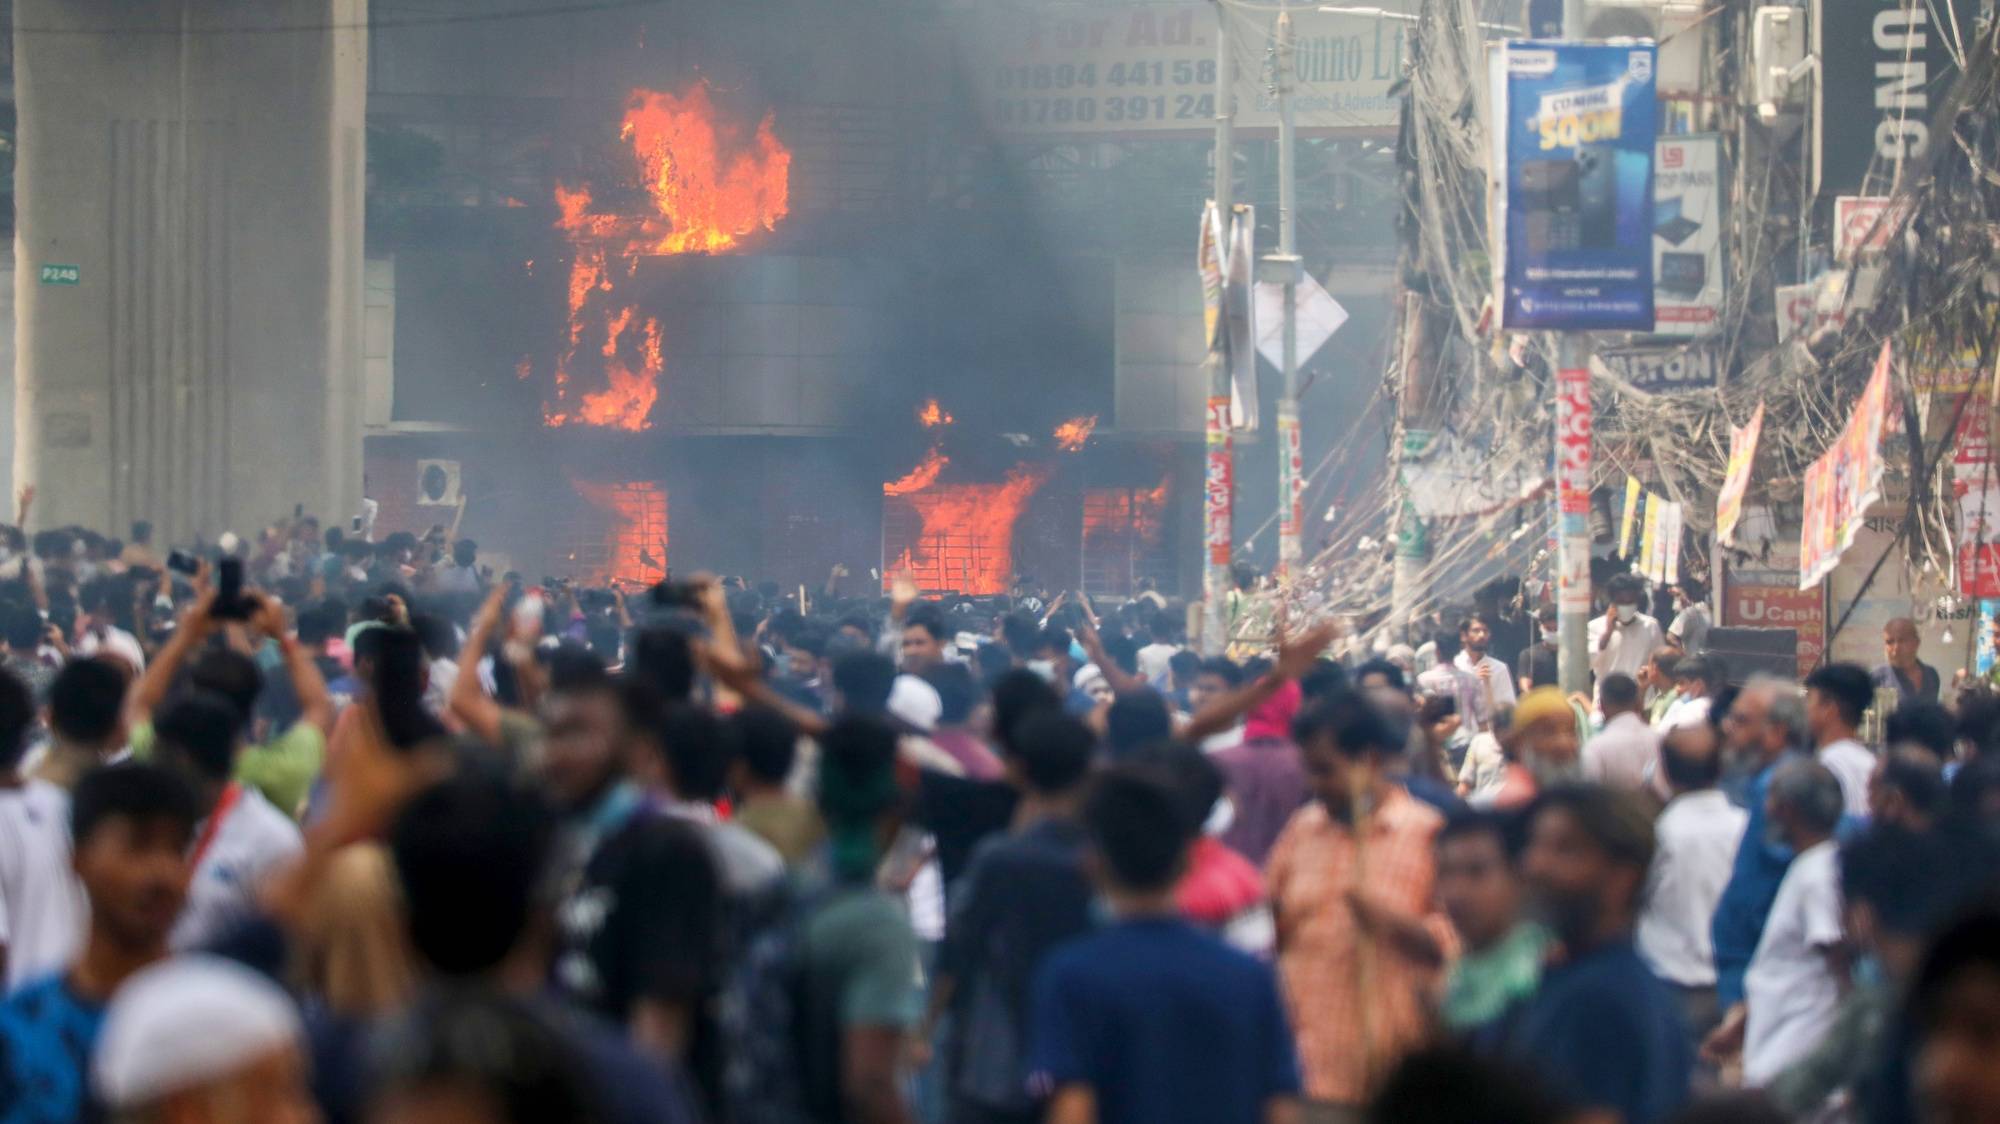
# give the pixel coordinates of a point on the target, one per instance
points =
(1360, 944)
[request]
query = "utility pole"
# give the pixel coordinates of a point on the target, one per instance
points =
(1218, 529)
(1575, 441)
(1287, 265)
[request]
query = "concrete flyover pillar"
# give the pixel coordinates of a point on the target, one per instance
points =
(188, 289)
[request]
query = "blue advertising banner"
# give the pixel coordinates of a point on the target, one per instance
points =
(1573, 192)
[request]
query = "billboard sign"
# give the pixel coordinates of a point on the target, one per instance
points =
(1688, 274)
(1149, 69)
(1885, 68)
(1573, 191)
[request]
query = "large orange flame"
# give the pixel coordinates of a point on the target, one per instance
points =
(1072, 434)
(709, 187)
(920, 477)
(965, 536)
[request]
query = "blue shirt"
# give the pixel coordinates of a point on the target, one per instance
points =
(1605, 1033)
(1746, 901)
(46, 1035)
(1165, 1024)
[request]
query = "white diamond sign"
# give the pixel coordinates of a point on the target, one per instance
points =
(1320, 316)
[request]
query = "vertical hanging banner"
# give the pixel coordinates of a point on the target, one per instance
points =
(1845, 481)
(1573, 486)
(1976, 484)
(1631, 513)
(1208, 262)
(1220, 485)
(1672, 531)
(1291, 477)
(1649, 537)
(1239, 311)
(1736, 481)
(1573, 185)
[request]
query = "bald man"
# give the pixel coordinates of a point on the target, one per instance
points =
(1914, 680)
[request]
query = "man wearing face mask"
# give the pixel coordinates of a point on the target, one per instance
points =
(1624, 637)
(1603, 1030)
(1337, 902)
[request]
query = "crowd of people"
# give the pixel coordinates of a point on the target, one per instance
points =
(316, 827)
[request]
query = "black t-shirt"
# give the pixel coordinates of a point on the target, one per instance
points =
(646, 921)
(1538, 663)
(959, 813)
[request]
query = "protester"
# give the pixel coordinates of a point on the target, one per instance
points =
(1691, 618)
(1351, 879)
(1603, 1030)
(41, 905)
(1151, 1021)
(86, 721)
(1794, 980)
(1765, 729)
(202, 1041)
(1479, 888)
(1495, 683)
(858, 999)
(1908, 791)
(1837, 696)
(242, 838)
(1624, 638)
(1625, 752)
(1536, 665)
(1911, 678)
(761, 776)
(1266, 776)
(1695, 680)
(1697, 836)
(1022, 894)
(131, 826)
(1541, 750)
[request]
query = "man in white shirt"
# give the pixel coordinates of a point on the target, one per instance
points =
(1694, 683)
(1837, 695)
(1155, 657)
(1446, 678)
(1696, 840)
(1623, 639)
(1624, 751)
(41, 903)
(1792, 988)
(1495, 684)
(242, 837)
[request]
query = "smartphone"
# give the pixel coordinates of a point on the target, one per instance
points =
(230, 604)
(181, 562)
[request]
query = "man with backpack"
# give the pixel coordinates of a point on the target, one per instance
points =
(818, 1017)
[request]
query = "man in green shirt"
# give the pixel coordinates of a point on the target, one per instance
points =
(859, 965)
(219, 656)
(1478, 884)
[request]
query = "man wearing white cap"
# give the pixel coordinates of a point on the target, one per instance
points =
(200, 1040)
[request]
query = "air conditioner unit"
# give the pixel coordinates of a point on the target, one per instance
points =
(1675, 25)
(437, 483)
(1777, 55)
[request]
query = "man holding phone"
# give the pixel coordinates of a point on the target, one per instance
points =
(281, 764)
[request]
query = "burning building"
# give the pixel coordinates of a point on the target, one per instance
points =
(666, 294)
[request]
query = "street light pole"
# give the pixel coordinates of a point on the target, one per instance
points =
(1288, 263)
